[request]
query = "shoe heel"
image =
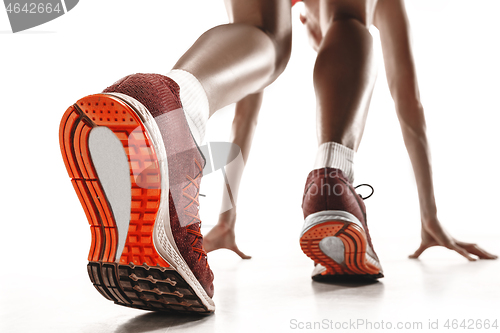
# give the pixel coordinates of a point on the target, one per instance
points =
(77, 123)
(74, 134)
(353, 249)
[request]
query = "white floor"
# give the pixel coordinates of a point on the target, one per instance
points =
(272, 292)
(45, 237)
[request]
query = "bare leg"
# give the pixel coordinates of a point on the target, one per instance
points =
(344, 74)
(222, 236)
(234, 60)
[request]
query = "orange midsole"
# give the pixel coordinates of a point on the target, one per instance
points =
(76, 124)
(355, 243)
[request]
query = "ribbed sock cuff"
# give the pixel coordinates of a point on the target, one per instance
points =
(335, 155)
(194, 102)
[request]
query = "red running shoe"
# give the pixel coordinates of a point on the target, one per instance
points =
(137, 170)
(335, 234)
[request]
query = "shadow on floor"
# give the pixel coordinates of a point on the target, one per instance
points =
(369, 287)
(153, 321)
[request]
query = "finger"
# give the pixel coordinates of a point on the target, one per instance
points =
(476, 250)
(241, 254)
(482, 254)
(419, 251)
(462, 252)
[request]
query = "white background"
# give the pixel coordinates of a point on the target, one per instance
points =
(46, 69)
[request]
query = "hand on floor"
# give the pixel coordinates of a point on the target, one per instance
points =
(433, 234)
(222, 237)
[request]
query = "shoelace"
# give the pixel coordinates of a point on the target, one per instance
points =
(194, 218)
(371, 187)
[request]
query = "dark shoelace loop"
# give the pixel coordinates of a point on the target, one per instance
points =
(371, 187)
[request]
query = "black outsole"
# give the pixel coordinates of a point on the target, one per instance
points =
(145, 287)
(347, 278)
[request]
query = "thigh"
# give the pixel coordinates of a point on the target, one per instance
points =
(360, 10)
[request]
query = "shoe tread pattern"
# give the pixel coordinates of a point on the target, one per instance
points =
(356, 262)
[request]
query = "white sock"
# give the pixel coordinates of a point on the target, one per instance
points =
(335, 155)
(194, 102)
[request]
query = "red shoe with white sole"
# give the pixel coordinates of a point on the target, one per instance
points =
(137, 170)
(335, 234)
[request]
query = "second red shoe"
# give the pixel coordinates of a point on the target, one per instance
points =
(335, 235)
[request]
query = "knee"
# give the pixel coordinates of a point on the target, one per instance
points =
(360, 11)
(283, 49)
(272, 18)
(278, 42)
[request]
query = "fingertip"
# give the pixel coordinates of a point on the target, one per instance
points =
(490, 256)
(243, 256)
(418, 252)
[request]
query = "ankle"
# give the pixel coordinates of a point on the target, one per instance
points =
(335, 155)
(194, 102)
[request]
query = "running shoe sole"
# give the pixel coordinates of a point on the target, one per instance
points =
(337, 241)
(115, 157)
